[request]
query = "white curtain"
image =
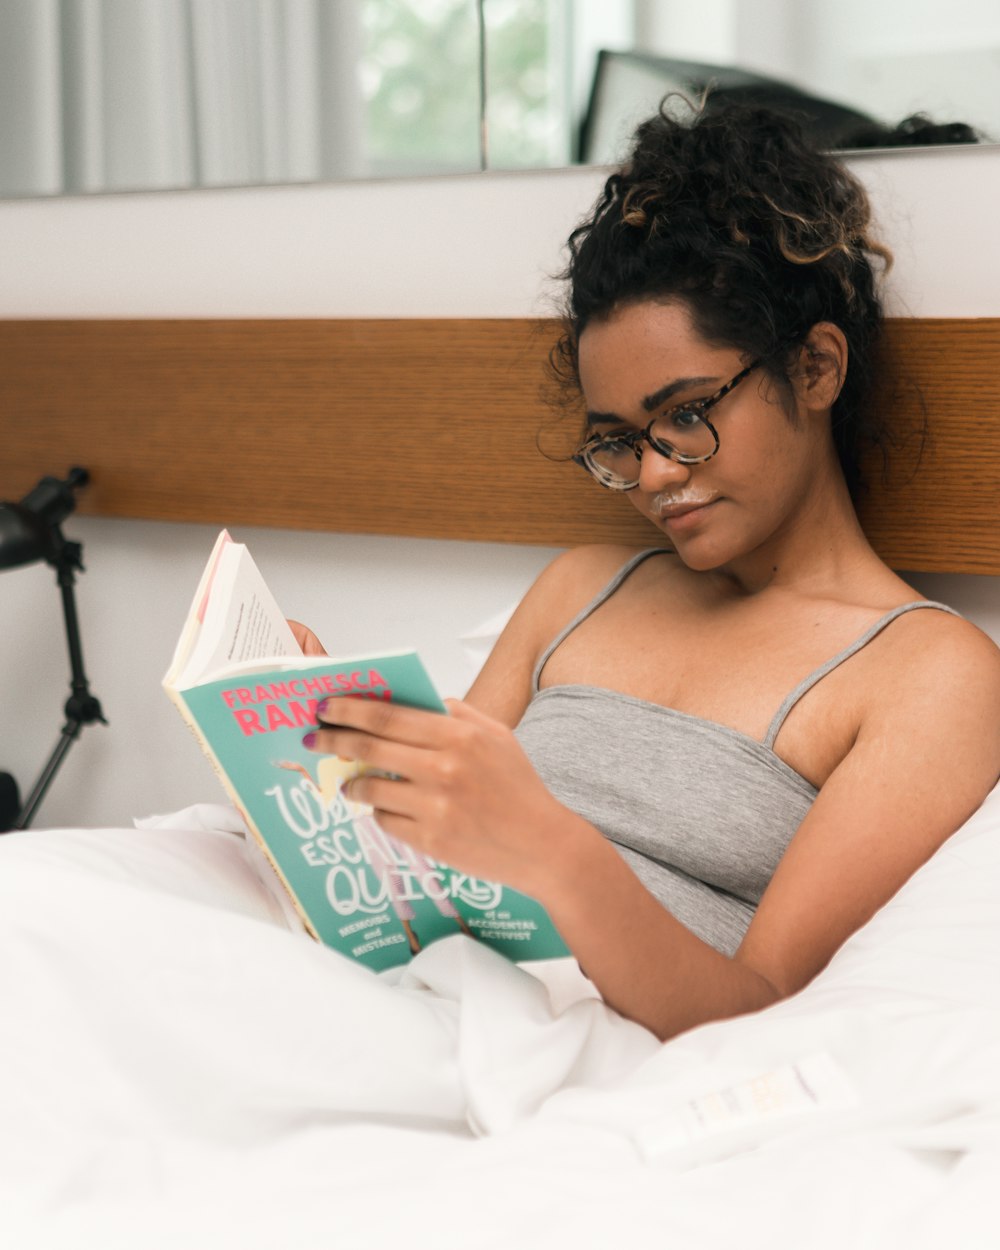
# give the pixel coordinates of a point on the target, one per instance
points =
(102, 95)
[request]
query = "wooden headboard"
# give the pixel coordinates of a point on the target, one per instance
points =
(429, 428)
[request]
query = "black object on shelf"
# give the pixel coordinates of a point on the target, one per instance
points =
(31, 531)
(627, 87)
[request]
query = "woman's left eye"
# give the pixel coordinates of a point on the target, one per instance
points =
(683, 418)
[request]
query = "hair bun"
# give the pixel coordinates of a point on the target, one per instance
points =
(731, 209)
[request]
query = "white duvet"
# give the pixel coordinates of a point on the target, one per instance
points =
(180, 1068)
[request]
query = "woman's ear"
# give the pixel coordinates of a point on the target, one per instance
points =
(822, 367)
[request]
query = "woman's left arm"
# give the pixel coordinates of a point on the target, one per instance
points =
(922, 762)
(926, 755)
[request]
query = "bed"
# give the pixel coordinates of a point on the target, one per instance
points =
(180, 1067)
(245, 1087)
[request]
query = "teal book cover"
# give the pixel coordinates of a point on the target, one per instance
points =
(359, 891)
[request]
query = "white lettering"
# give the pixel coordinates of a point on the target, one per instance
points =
(310, 816)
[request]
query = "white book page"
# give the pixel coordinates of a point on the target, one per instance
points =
(192, 622)
(241, 621)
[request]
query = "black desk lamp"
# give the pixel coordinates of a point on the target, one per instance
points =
(29, 532)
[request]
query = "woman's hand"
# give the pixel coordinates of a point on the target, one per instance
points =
(306, 639)
(461, 789)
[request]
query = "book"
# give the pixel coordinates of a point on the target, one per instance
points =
(249, 695)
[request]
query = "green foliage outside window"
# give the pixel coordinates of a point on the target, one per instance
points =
(420, 77)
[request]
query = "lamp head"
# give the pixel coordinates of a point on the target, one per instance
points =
(29, 530)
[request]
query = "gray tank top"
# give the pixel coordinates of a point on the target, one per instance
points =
(701, 812)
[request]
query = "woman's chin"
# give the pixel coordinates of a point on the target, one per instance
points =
(700, 557)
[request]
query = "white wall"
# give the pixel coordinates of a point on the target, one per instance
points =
(358, 592)
(483, 245)
(471, 245)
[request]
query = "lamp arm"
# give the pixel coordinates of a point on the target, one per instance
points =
(81, 708)
(70, 731)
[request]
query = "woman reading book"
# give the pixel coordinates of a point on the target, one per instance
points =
(715, 760)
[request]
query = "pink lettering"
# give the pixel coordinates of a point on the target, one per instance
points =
(249, 721)
(276, 718)
(303, 715)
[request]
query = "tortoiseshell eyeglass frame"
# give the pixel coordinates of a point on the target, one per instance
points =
(635, 438)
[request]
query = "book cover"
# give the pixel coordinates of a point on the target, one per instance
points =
(357, 889)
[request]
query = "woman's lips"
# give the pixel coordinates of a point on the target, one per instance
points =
(681, 516)
(681, 521)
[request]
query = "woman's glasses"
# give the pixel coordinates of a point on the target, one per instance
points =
(684, 434)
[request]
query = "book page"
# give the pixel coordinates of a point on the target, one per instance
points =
(240, 620)
(192, 622)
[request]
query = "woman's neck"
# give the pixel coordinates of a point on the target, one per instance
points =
(820, 550)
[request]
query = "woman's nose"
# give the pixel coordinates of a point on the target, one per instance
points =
(657, 471)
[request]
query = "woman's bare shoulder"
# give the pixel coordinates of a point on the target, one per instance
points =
(944, 668)
(560, 592)
(945, 642)
(567, 584)
(584, 571)
(574, 578)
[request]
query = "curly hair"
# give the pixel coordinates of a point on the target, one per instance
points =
(731, 210)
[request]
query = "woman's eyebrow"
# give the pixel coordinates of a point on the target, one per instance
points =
(651, 401)
(667, 392)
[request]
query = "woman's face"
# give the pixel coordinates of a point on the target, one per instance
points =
(646, 358)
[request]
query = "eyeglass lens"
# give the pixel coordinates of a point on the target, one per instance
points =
(681, 435)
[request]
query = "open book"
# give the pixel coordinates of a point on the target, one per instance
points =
(249, 695)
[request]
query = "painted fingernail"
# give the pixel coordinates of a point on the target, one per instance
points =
(322, 706)
(309, 741)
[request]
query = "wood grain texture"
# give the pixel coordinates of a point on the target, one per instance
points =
(429, 428)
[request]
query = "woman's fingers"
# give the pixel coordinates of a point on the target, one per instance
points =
(405, 742)
(387, 795)
(463, 711)
(380, 718)
(306, 639)
(458, 787)
(385, 755)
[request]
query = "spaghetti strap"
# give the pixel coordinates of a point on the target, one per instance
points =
(807, 684)
(592, 606)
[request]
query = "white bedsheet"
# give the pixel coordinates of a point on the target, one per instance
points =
(179, 1068)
